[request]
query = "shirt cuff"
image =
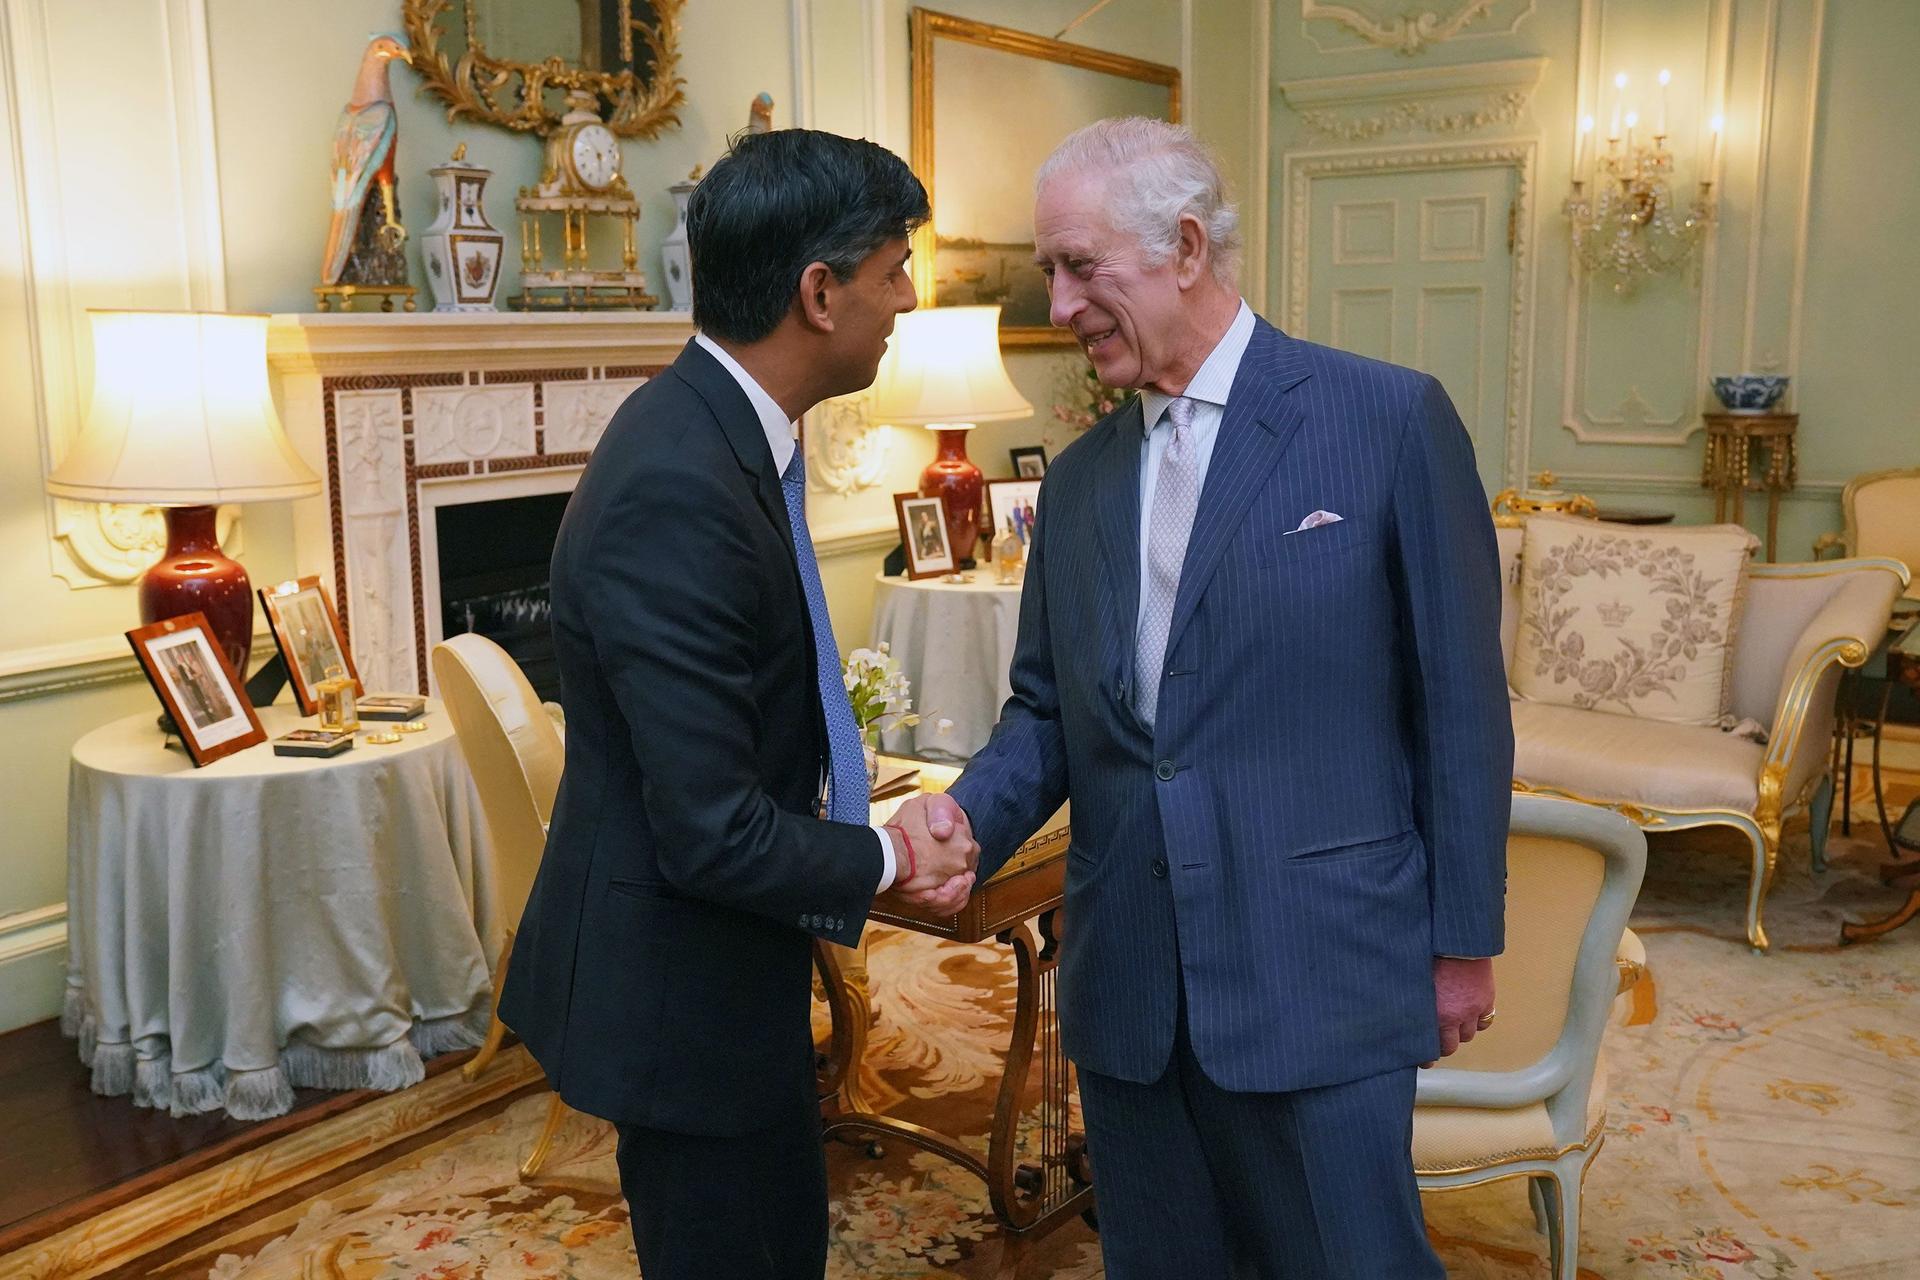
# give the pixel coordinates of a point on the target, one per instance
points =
(1463, 957)
(887, 868)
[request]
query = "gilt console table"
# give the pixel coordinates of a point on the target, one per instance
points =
(1727, 467)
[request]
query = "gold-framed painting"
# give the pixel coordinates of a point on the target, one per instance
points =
(989, 104)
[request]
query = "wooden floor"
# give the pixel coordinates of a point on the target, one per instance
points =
(66, 1153)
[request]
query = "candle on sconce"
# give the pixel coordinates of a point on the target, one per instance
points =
(1619, 98)
(1660, 124)
(1633, 118)
(1713, 148)
(1583, 149)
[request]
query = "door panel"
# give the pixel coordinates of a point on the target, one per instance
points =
(1414, 268)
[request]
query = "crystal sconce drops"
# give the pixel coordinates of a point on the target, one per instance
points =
(1627, 224)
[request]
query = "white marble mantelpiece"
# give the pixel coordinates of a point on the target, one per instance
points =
(404, 414)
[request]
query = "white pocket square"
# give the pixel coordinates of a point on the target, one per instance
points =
(1315, 520)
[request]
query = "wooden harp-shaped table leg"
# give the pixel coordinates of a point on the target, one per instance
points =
(1031, 1196)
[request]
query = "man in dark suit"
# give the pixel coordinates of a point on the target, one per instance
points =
(662, 971)
(1259, 650)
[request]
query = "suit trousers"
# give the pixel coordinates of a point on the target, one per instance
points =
(752, 1207)
(1194, 1182)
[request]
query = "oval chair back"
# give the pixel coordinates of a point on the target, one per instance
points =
(515, 754)
(1527, 1096)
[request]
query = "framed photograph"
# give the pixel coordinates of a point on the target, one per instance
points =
(1030, 462)
(310, 637)
(989, 103)
(198, 687)
(1014, 502)
(923, 532)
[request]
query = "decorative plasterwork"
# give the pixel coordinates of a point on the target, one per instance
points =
(461, 424)
(1438, 100)
(1408, 117)
(846, 452)
(577, 412)
(1412, 30)
(1297, 203)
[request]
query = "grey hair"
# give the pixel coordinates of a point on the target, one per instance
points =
(1158, 173)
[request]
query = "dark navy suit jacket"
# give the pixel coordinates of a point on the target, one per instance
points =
(1321, 806)
(662, 974)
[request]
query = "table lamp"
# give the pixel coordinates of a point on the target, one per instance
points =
(182, 418)
(943, 370)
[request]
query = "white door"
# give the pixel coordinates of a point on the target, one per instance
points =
(1416, 268)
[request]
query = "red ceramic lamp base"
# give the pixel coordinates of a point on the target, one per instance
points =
(195, 575)
(953, 478)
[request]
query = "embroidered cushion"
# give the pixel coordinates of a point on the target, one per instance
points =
(1633, 621)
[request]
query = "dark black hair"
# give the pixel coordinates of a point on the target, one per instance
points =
(779, 201)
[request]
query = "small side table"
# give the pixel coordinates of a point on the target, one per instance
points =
(1726, 469)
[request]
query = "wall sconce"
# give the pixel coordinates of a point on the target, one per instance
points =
(1630, 226)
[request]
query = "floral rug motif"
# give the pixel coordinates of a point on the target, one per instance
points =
(1764, 1126)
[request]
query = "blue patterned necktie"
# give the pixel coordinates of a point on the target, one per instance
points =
(847, 793)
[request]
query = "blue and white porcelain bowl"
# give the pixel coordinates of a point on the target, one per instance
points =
(1750, 392)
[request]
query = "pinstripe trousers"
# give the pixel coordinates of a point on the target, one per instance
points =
(1196, 1182)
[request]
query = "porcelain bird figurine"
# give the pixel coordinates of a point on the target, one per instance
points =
(363, 147)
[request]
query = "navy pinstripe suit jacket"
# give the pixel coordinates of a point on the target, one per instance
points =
(1321, 806)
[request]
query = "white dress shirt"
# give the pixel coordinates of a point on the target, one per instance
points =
(780, 432)
(1209, 388)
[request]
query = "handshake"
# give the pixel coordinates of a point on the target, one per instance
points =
(934, 854)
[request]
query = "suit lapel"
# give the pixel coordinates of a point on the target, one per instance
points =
(741, 426)
(1117, 497)
(1260, 422)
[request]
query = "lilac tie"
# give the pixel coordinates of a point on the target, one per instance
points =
(1176, 495)
(847, 793)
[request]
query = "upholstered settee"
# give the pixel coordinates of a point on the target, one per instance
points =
(1799, 625)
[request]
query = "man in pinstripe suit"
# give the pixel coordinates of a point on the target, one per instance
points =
(1259, 650)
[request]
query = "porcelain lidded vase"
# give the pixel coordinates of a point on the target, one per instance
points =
(462, 249)
(674, 255)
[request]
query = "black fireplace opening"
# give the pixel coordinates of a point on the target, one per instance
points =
(494, 559)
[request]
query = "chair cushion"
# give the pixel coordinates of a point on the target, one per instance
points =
(1608, 757)
(1635, 621)
(1455, 1139)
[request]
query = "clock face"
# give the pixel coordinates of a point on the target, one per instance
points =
(596, 155)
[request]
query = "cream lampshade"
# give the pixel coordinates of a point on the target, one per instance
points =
(182, 417)
(943, 370)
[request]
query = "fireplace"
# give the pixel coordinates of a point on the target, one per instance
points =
(493, 558)
(415, 419)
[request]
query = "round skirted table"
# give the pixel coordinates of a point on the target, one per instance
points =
(954, 643)
(271, 922)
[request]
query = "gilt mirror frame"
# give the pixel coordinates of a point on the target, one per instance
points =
(512, 94)
(928, 28)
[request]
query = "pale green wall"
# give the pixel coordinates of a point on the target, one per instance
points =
(131, 178)
(1847, 300)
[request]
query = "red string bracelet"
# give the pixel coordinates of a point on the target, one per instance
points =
(907, 840)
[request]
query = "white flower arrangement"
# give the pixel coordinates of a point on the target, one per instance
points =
(881, 693)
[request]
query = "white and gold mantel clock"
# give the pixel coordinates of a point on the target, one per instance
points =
(581, 181)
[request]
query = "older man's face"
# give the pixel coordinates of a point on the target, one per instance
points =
(1124, 312)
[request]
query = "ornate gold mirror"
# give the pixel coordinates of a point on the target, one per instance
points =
(512, 62)
(989, 104)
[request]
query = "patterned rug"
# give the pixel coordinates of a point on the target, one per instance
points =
(1765, 1126)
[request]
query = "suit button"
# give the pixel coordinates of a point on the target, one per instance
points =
(1159, 868)
(1164, 771)
(816, 922)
